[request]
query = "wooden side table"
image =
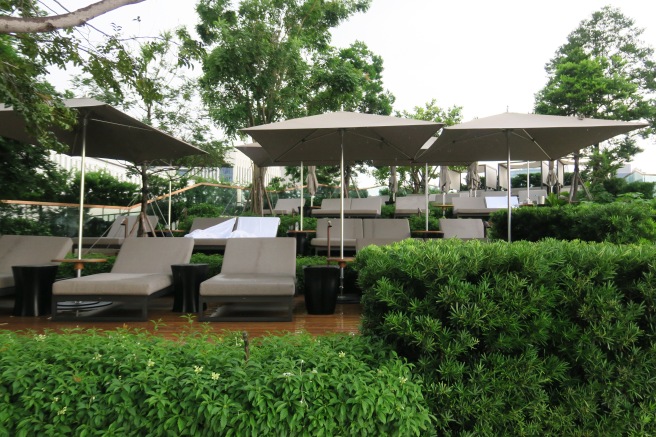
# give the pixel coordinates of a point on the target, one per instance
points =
(78, 263)
(342, 262)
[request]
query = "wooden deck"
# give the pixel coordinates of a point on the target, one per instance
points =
(346, 319)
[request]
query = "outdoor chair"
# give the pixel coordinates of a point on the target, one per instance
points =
(363, 207)
(533, 195)
(142, 271)
(383, 231)
(16, 250)
(464, 229)
(257, 282)
(410, 205)
(331, 208)
(286, 207)
(352, 231)
(123, 227)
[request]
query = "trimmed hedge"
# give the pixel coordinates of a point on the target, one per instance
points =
(548, 338)
(122, 382)
(617, 222)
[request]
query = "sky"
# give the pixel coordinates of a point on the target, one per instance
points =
(485, 56)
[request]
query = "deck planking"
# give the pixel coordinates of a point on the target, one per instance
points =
(166, 323)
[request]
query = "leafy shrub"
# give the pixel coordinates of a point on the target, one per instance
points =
(617, 222)
(547, 338)
(287, 222)
(131, 383)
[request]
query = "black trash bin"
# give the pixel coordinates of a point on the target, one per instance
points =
(321, 288)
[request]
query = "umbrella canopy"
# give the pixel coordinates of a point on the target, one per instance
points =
(337, 137)
(317, 139)
(102, 132)
(110, 134)
(526, 137)
(522, 137)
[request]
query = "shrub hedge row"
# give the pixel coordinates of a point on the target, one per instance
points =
(548, 338)
(617, 222)
(119, 383)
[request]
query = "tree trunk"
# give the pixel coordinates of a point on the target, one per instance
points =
(71, 19)
(257, 190)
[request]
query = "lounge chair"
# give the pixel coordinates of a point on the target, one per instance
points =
(142, 271)
(18, 250)
(256, 283)
(331, 208)
(364, 207)
(410, 205)
(383, 231)
(285, 207)
(124, 226)
(352, 231)
(464, 229)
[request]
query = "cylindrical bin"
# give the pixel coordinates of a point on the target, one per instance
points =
(321, 288)
(33, 286)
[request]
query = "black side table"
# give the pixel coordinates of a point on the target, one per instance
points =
(302, 238)
(186, 285)
(33, 285)
(321, 288)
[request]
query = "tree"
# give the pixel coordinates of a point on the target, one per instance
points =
(158, 94)
(26, 57)
(603, 71)
(34, 24)
(413, 178)
(261, 60)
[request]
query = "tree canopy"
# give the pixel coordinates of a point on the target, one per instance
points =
(605, 71)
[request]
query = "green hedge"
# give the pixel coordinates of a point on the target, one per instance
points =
(119, 383)
(617, 222)
(548, 338)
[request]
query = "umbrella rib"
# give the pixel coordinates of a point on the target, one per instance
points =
(121, 125)
(533, 140)
(301, 141)
(384, 141)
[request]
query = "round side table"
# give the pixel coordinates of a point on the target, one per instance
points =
(33, 285)
(186, 286)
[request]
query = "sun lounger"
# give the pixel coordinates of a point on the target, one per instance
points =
(256, 283)
(142, 271)
(331, 208)
(363, 207)
(16, 250)
(286, 207)
(122, 228)
(214, 238)
(352, 231)
(465, 229)
(410, 205)
(383, 231)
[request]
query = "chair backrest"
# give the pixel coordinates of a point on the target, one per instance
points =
(31, 250)
(366, 203)
(352, 228)
(467, 203)
(462, 228)
(334, 204)
(207, 222)
(271, 256)
(398, 229)
(261, 227)
(152, 255)
(289, 205)
(410, 202)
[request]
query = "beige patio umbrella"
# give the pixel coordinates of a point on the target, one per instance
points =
(340, 137)
(473, 179)
(522, 137)
(102, 131)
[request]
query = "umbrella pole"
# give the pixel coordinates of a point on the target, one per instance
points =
(341, 198)
(82, 177)
(528, 182)
(301, 207)
(508, 180)
(426, 192)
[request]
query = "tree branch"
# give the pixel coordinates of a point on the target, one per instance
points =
(72, 19)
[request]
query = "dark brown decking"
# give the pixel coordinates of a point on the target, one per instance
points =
(346, 319)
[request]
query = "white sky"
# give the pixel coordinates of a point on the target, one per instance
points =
(486, 56)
